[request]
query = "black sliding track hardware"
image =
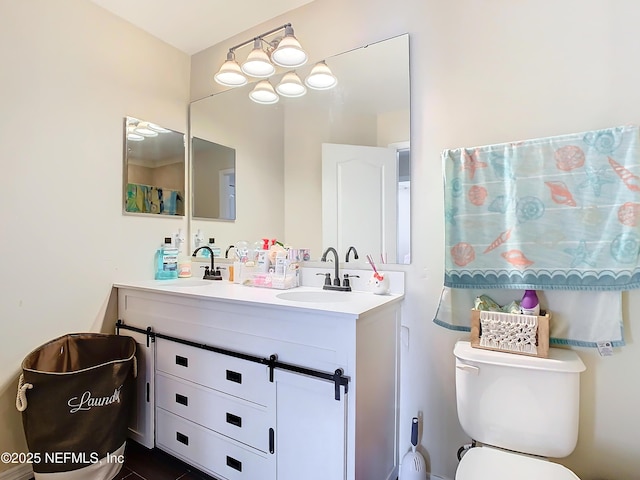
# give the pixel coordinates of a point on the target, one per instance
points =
(338, 378)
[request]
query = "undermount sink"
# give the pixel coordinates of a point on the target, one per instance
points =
(321, 296)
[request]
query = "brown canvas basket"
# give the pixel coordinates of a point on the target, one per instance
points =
(75, 394)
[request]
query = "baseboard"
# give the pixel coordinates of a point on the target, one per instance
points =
(19, 472)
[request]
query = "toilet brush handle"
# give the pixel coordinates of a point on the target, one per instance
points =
(414, 431)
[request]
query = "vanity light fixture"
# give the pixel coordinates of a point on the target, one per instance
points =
(257, 63)
(291, 85)
(137, 130)
(157, 128)
(230, 73)
(282, 51)
(289, 53)
(134, 137)
(264, 93)
(321, 77)
(261, 63)
(145, 130)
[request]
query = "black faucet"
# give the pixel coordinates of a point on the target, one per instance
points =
(226, 253)
(212, 274)
(355, 253)
(336, 281)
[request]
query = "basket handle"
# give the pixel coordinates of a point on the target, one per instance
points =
(21, 397)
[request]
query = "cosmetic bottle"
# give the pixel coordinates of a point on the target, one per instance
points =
(529, 304)
(262, 257)
(166, 261)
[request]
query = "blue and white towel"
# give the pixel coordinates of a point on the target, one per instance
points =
(553, 213)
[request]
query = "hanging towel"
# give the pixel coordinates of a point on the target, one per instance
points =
(553, 213)
(578, 318)
(149, 199)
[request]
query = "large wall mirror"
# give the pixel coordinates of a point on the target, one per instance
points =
(330, 168)
(154, 169)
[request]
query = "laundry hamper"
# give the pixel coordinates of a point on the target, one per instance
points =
(75, 394)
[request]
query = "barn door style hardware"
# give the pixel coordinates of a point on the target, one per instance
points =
(337, 377)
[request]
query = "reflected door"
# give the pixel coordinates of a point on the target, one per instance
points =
(359, 199)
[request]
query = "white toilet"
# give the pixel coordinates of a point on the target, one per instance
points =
(520, 410)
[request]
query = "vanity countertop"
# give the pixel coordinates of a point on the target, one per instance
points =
(309, 298)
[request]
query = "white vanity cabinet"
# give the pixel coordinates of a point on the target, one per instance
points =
(230, 414)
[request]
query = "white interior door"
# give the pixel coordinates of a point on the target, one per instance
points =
(227, 189)
(359, 199)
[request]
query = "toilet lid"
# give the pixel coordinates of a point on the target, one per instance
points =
(484, 463)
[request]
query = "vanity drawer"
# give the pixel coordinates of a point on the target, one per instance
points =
(243, 421)
(211, 452)
(237, 377)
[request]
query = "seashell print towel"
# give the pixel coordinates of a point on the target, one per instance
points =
(552, 213)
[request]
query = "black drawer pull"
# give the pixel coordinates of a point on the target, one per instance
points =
(182, 361)
(234, 420)
(182, 438)
(182, 400)
(233, 463)
(234, 376)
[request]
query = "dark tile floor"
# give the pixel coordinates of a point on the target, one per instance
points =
(141, 463)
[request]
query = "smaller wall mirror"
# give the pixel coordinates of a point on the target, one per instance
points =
(154, 166)
(213, 180)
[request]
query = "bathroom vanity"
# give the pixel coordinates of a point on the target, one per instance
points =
(251, 383)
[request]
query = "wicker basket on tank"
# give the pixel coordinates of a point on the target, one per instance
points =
(510, 332)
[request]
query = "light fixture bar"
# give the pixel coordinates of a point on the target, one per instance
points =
(261, 36)
(282, 51)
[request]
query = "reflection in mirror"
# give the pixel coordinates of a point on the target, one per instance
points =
(154, 164)
(300, 189)
(213, 177)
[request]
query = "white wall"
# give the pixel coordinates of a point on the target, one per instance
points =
(70, 73)
(482, 72)
(485, 72)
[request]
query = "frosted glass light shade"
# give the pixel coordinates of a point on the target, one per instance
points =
(257, 63)
(321, 77)
(230, 74)
(289, 52)
(291, 86)
(264, 93)
(134, 137)
(143, 129)
(158, 128)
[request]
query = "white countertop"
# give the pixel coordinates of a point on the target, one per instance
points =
(354, 303)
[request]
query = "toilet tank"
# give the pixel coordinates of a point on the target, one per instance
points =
(520, 403)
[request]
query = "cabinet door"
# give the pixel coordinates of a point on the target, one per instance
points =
(141, 424)
(311, 429)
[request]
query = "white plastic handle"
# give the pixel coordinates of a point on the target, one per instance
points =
(468, 368)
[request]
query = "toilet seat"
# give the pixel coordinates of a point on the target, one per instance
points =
(487, 463)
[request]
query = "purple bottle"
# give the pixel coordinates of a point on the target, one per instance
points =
(529, 304)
